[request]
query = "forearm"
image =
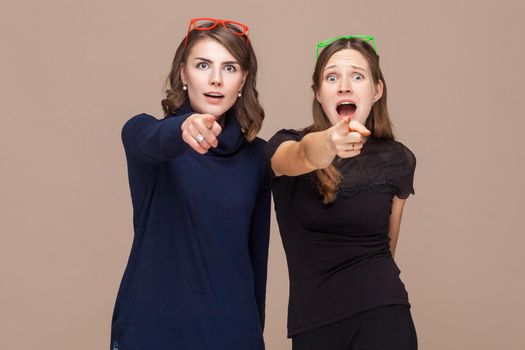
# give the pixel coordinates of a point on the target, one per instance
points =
(318, 150)
(312, 152)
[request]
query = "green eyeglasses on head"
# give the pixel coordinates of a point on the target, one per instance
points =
(324, 43)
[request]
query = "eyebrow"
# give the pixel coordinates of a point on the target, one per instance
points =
(210, 61)
(355, 67)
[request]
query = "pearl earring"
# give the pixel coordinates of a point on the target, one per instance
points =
(239, 94)
(185, 87)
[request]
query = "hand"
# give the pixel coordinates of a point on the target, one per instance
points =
(347, 138)
(203, 128)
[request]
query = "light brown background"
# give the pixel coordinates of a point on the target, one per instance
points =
(72, 72)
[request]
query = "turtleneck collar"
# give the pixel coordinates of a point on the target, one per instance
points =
(231, 139)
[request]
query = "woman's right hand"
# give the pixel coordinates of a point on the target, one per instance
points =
(200, 131)
(347, 138)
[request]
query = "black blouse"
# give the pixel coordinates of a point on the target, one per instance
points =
(338, 254)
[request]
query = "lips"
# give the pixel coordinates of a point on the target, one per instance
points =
(346, 109)
(213, 94)
(213, 98)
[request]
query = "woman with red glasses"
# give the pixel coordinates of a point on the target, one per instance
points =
(339, 187)
(196, 275)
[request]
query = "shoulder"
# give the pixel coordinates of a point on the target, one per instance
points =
(391, 152)
(255, 149)
(253, 155)
(287, 135)
(141, 118)
(406, 153)
(281, 136)
(396, 147)
(258, 143)
(253, 152)
(135, 122)
(403, 154)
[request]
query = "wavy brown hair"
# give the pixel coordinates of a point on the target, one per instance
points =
(378, 121)
(248, 110)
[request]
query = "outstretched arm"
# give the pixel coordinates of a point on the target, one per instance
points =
(150, 140)
(317, 150)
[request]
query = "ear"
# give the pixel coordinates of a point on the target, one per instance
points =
(182, 75)
(318, 97)
(245, 75)
(379, 91)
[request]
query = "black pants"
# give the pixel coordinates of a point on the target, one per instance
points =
(385, 328)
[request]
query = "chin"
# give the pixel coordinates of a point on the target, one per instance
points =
(216, 111)
(334, 120)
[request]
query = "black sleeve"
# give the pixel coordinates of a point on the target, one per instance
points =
(273, 144)
(149, 140)
(406, 180)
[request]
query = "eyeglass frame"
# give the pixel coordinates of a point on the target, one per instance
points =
(216, 22)
(327, 42)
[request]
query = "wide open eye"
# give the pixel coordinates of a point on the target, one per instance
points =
(203, 65)
(331, 77)
(358, 76)
(230, 68)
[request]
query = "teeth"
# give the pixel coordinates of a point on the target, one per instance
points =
(346, 103)
(214, 95)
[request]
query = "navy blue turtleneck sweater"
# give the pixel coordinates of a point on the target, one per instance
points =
(196, 275)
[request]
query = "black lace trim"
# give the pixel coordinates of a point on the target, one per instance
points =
(359, 178)
(350, 190)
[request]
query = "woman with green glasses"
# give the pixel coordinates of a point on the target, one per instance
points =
(339, 188)
(196, 275)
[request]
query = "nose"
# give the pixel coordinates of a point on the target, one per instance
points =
(344, 86)
(215, 77)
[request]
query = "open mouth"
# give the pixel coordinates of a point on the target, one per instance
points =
(215, 95)
(346, 109)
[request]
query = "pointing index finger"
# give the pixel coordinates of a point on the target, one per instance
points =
(216, 129)
(358, 127)
(209, 120)
(342, 126)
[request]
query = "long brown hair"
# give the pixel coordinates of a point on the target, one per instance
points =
(248, 110)
(378, 122)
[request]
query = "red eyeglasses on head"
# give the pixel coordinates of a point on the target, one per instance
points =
(233, 27)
